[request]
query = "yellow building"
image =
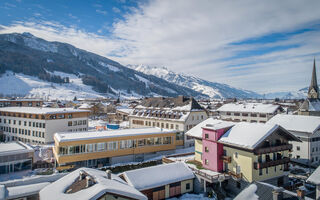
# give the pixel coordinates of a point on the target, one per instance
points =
(257, 152)
(100, 148)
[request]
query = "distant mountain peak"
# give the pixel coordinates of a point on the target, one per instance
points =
(212, 89)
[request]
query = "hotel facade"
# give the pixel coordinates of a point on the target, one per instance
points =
(38, 125)
(246, 151)
(184, 114)
(101, 148)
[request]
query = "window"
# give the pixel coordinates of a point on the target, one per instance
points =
(206, 135)
(253, 115)
(188, 186)
(236, 154)
(157, 141)
(228, 113)
(298, 148)
(177, 126)
(267, 170)
(263, 115)
(100, 146)
(141, 142)
(260, 171)
(69, 116)
(167, 140)
(206, 162)
(89, 148)
(206, 149)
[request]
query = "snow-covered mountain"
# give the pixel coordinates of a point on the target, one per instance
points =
(32, 66)
(212, 89)
(300, 94)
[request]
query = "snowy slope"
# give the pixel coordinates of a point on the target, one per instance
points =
(212, 89)
(24, 85)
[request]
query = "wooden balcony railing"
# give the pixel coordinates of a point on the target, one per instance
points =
(226, 159)
(235, 175)
(273, 149)
(258, 165)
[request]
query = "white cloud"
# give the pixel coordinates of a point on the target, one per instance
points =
(116, 10)
(101, 11)
(53, 31)
(194, 37)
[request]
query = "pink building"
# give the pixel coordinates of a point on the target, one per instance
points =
(212, 151)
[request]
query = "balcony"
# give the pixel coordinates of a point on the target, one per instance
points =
(264, 150)
(226, 159)
(235, 175)
(271, 163)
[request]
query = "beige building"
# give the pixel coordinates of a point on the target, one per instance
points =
(38, 125)
(180, 114)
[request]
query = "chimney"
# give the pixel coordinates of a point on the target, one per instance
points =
(300, 193)
(277, 193)
(82, 175)
(108, 174)
(89, 181)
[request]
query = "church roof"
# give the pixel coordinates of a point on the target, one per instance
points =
(314, 83)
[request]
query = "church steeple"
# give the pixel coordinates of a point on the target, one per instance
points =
(313, 92)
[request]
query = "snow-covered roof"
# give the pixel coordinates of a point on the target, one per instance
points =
(156, 176)
(247, 135)
(314, 178)
(299, 123)
(248, 193)
(24, 190)
(249, 107)
(209, 123)
(90, 135)
(40, 110)
(125, 110)
(103, 185)
(14, 148)
(85, 106)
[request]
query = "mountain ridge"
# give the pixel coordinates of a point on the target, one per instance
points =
(33, 56)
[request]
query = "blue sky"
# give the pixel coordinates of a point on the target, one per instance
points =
(265, 46)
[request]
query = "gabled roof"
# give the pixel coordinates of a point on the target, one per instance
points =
(250, 135)
(299, 123)
(103, 185)
(210, 123)
(156, 176)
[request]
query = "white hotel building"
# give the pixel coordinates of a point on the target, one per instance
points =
(38, 125)
(248, 112)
